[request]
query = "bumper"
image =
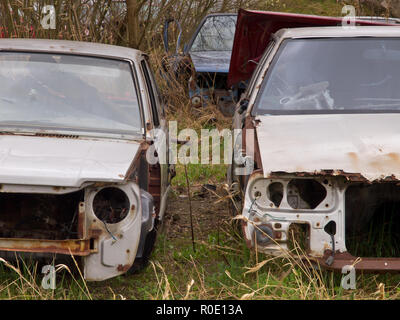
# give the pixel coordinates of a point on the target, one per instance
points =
(363, 264)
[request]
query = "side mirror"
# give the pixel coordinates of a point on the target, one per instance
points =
(165, 36)
(243, 105)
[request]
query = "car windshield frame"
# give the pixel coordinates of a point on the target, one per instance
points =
(30, 127)
(256, 111)
(195, 35)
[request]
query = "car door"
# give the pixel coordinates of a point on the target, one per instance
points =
(159, 126)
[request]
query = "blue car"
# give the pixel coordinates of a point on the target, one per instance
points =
(209, 53)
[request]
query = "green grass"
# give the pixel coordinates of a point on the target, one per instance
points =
(200, 174)
(22, 280)
(380, 236)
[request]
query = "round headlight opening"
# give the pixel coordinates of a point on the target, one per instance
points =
(111, 205)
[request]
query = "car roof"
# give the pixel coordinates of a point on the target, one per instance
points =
(342, 32)
(69, 47)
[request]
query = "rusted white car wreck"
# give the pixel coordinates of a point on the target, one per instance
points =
(76, 122)
(324, 104)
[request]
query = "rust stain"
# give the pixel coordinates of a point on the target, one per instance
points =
(365, 264)
(95, 233)
(355, 160)
(123, 268)
(57, 188)
(101, 184)
(353, 155)
(394, 156)
(75, 247)
(355, 177)
(135, 164)
(81, 220)
(390, 160)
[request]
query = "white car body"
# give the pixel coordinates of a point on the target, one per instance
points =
(338, 151)
(53, 163)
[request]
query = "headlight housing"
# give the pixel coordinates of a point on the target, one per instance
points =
(111, 205)
(267, 193)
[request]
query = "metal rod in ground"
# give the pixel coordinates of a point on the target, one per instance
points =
(190, 206)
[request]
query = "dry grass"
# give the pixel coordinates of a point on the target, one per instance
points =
(268, 278)
(22, 280)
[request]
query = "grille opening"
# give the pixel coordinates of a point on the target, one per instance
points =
(91, 243)
(298, 238)
(275, 193)
(40, 216)
(373, 220)
(305, 193)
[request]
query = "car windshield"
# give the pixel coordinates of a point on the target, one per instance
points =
(333, 75)
(216, 34)
(67, 92)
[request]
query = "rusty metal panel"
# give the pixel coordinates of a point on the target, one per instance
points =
(68, 247)
(364, 264)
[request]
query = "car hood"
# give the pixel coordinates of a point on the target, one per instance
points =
(51, 161)
(211, 61)
(366, 144)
